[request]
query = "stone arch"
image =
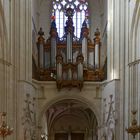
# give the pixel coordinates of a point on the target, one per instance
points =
(78, 98)
(134, 31)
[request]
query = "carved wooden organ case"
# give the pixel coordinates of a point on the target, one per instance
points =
(69, 60)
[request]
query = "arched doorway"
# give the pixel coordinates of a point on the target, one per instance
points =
(69, 119)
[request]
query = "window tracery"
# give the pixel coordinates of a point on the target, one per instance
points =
(80, 13)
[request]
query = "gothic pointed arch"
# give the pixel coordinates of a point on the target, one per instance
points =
(81, 99)
(65, 114)
(80, 14)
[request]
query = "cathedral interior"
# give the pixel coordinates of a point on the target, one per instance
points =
(69, 69)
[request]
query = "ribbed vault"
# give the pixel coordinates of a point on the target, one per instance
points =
(75, 115)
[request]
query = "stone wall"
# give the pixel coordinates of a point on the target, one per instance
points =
(18, 95)
(49, 95)
(15, 61)
(132, 66)
(110, 110)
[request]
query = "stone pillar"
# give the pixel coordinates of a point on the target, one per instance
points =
(110, 40)
(20, 44)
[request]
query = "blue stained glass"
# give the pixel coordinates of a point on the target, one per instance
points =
(81, 11)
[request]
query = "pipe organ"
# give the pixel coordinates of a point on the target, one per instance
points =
(69, 60)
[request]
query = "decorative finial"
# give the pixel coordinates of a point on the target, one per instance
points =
(41, 33)
(97, 37)
(69, 12)
(97, 33)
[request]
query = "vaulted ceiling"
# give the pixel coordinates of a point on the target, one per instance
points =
(70, 108)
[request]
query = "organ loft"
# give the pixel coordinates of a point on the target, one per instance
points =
(69, 60)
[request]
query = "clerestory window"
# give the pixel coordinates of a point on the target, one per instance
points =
(81, 12)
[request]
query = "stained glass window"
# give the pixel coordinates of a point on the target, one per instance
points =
(81, 11)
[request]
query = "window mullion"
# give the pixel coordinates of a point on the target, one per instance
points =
(77, 19)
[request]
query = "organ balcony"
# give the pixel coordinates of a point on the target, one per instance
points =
(69, 60)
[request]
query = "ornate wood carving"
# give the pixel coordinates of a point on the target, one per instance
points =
(90, 74)
(65, 53)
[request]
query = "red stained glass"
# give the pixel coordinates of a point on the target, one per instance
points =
(52, 17)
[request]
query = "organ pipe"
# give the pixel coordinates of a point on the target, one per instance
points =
(40, 44)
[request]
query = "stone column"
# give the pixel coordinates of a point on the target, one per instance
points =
(110, 40)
